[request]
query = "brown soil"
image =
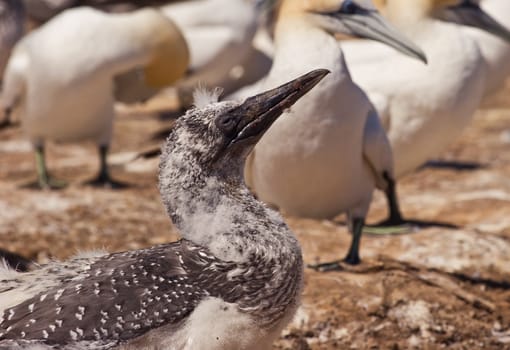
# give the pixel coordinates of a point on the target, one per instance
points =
(436, 288)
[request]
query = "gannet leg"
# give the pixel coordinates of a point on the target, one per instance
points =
(104, 179)
(395, 223)
(44, 179)
(395, 216)
(352, 257)
(6, 121)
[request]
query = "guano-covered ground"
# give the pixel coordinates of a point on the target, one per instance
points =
(439, 287)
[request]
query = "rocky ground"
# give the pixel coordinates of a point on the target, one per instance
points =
(442, 286)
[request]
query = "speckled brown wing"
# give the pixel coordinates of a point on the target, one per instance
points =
(122, 296)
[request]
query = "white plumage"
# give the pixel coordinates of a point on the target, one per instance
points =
(59, 79)
(424, 108)
(327, 154)
(495, 51)
(219, 34)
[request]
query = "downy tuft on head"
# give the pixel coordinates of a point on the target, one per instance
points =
(202, 96)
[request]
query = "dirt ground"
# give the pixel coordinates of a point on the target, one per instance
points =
(439, 287)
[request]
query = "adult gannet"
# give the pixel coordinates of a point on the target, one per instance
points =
(41, 11)
(218, 43)
(11, 28)
(328, 153)
(232, 283)
(60, 77)
(496, 51)
(424, 108)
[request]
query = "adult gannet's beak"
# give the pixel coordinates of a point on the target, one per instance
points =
(471, 14)
(260, 111)
(368, 23)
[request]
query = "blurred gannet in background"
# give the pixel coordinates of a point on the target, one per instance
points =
(328, 153)
(11, 29)
(219, 34)
(60, 77)
(40, 11)
(424, 108)
(495, 50)
(232, 283)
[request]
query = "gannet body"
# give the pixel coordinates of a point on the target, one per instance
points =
(60, 77)
(496, 51)
(41, 11)
(11, 28)
(232, 283)
(218, 43)
(424, 108)
(326, 155)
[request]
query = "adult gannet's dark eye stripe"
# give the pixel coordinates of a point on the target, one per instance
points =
(349, 7)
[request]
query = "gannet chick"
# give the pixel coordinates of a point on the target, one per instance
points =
(60, 77)
(11, 28)
(327, 154)
(425, 108)
(232, 283)
(495, 51)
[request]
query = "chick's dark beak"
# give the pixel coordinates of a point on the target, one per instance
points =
(260, 111)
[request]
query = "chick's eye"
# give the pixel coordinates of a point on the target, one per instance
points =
(227, 124)
(349, 7)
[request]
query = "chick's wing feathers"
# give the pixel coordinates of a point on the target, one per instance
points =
(120, 296)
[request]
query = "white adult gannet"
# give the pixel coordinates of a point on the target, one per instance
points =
(328, 153)
(60, 77)
(11, 28)
(41, 11)
(424, 108)
(496, 51)
(220, 35)
(232, 283)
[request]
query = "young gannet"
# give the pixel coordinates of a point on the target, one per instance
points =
(60, 77)
(328, 153)
(232, 283)
(424, 108)
(218, 43)
(496, 51)
(11, 28)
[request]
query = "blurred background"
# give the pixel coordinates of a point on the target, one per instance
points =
(445, 286)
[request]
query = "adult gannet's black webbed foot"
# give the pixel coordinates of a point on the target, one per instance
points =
(103, 179)
(352, 257)
(395, 223)
(50, 183)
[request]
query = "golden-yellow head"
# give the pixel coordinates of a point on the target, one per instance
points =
(169, 54)
(357, 18)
